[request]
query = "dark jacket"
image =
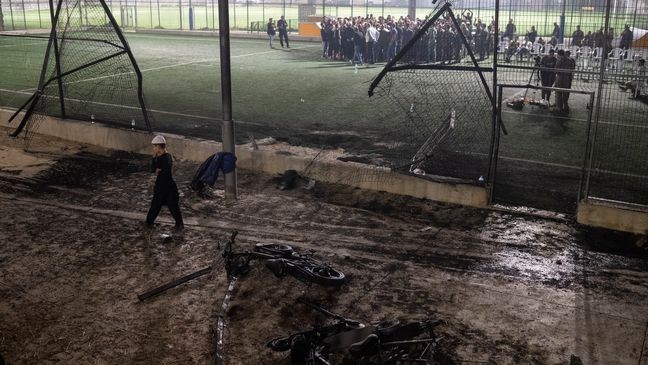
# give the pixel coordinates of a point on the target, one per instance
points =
(164, 182)
(207, 173)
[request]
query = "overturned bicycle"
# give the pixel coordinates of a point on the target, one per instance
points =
(281, 260)
(351, 342)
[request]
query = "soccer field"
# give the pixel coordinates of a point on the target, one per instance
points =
(296, 96)
(253, 17)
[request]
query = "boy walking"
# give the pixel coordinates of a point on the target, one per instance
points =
(165, 191)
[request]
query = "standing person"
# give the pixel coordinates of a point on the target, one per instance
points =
(571, 65)
(547, 74)
(165, 191)
(358, 46)
(556, 31)
(577, 37)
(372, 43)
(532, 35)
(282, 25)
(325, 38)
(510, 30)
(626, 38)
(563, 80)
(271, 31)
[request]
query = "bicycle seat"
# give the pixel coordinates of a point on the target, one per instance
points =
(368, 346)
(277, 267)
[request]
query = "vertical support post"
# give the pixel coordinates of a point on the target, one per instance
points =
(159, 17)
(40, 21)
(583, 192)
(247, 15)
(411, 9)
(57, 56)
(561, 35)
(599, 96)
(13, 26)
(497, 95)
(383, 8)
(226, 91)
(151, 13)
(180, 12)
(324, 8)
(24, 14)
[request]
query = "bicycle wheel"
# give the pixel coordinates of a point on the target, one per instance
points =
(274, 249)
(319, 274)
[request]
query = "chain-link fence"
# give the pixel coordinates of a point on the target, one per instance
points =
(590, 144)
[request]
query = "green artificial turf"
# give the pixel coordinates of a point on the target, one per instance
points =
(296, 95)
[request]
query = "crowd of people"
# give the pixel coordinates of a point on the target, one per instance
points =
(379, 39)
(370, 39)
(522, 45)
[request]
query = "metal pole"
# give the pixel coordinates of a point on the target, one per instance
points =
(13, 26)
(226, 91)
(80, 13)
(24, 14)
(599, 97)
(497, 95)
(40, 22)
(180, 12)
(57, 57)
(151, 12)
(561, 35)
(411, 11)
(247, 15)
(159, 17)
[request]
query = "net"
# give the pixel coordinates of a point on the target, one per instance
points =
(433, 94)
(88, 73)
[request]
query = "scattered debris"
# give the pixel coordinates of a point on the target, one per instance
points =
(266, 141)
(161, 289)
(575, 360)
(287, 179)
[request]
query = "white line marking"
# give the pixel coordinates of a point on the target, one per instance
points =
(136, 108)
(24, 44)
(172, 66)
(553, 164)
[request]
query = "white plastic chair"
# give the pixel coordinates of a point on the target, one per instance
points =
(615, 59)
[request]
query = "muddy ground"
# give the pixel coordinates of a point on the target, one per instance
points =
(511, 289)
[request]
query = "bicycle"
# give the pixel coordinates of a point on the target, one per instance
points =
(281, 260)
(381, 344)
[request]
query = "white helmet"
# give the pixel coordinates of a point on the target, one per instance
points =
(158, 140)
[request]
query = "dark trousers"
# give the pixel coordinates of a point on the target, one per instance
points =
(283, 35)
(171, 200)
(370, 53)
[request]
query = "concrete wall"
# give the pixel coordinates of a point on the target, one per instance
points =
(610, 216)
(322, 166)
